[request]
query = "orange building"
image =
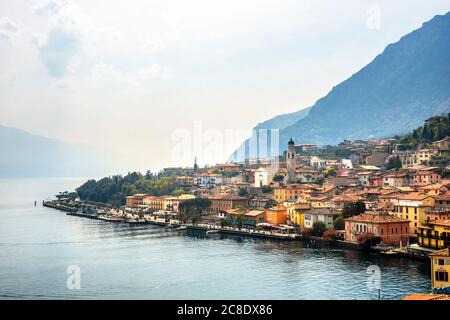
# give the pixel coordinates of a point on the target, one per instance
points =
(391, 229)
(292, 192)
(135, 200)
(276, 215)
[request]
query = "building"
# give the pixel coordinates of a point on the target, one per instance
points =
(426, 177)
(291, 161)
(228, 167)
(227, 202)
(208, 180)
(291, 192)
(435, 234)
(442, 145)
(307, 175)
(391, 229)
(325, 215)
(296, 213)
(425, 155)
(264, 177)
(248, 218)
(276, 215)
(396, 180)
(135, 201)
(413, 207)
(440, 268)
(317, 163)
(407, 158)
(377, 159)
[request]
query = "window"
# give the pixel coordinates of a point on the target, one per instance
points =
(441, 276)
(441, 262)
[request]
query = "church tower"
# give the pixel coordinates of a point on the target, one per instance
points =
(291, 161)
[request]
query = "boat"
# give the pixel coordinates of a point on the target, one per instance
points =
(212, 231)
(109, 218)
(390, 252)
(182, 228)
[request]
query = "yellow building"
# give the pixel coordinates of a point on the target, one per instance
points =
(413, 207)
(296, 213)
(293, 192)
(435, 235)
(440, 268)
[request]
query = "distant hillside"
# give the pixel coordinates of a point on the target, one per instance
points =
(435, 128)
(28, 155)
(406, 84)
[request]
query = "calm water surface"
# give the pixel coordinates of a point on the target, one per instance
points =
(118, 261)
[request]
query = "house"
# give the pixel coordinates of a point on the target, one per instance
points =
(426, 177)
(425, 155)
(412, 207)
(317, 163)
(339, 201)
(135, 201)
(442, 145)
(396, 180)
(206, 180)
(435, 235)
(377, 159)
(443, 201)
(276, 215)
(343, 180)
(296, 213)
(325, 215)
(227, 202)
(307, 175)
(391, 229)
(228, 167)
(364, 178)
(440, 268)
(264, 177)
(434, 189)
(291, 192)
(248, 218)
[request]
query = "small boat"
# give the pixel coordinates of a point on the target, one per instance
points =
(182, 228)
(212, 231)
(390, 252)
(170, 226)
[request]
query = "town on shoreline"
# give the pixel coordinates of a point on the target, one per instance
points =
(386, 195)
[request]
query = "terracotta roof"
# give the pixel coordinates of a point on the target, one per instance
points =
(441, 253)
(414, 196)
(426, 296)
(376, 217)
(445, 223)
(443, 197)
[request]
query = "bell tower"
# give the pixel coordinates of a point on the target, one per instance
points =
(291, 161)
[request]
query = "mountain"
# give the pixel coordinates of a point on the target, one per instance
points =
(406, 84)
(28, 155)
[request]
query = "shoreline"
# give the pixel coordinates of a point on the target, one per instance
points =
(70, 211)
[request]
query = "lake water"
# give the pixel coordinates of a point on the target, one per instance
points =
(119, 261)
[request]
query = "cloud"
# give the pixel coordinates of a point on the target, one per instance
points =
(8, 29)
(58, 50)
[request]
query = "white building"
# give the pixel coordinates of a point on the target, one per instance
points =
(208, 180)
(264, 177)
(317, 163)
(325, 215)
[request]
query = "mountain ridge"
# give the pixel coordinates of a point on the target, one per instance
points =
(394, 93)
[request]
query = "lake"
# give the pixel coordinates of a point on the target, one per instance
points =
(119, 261)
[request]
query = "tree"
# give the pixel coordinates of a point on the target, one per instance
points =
(243, 192)
(330, 172)
(278, 178)
(318, 228)
(394, 163)
(266, 189)
(353, 208)
(339, 223)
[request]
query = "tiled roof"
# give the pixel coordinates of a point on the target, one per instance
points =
(442, 253)
(376, 217)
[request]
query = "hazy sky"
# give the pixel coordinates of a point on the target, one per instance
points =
(137, 77)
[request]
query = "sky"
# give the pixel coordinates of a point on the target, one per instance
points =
(156, 83)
